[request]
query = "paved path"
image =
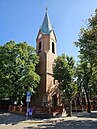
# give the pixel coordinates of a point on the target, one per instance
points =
(81, 121)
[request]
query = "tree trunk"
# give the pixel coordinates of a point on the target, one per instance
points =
(70, 108)
(89, 105)
(64, 111)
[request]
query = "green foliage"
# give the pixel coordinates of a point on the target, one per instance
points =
(87, 41)
(17, 69)
(64, 71)
(87, 44)
(87, 69)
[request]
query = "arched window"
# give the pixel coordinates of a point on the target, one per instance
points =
(53, 48)
(39, 47)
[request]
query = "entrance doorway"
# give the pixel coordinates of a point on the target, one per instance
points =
(54, 100)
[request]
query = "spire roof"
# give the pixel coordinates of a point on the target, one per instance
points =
(46, 25)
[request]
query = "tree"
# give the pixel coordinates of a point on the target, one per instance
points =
(83, 79)
(87, 44)
(64, 71)
(17, 70)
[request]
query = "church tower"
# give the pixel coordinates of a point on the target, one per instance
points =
(46, 49)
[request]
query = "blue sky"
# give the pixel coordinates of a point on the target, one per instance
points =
(20, 21)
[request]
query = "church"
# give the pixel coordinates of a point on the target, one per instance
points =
(46, 42)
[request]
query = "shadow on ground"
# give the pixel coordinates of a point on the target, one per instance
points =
(85, 121)
(70, 124)
(81, 122)
(9, 118)
(88, 115)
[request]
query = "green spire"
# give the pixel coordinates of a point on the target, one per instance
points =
(46, 25)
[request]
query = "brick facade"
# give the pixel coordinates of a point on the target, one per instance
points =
(47, 90)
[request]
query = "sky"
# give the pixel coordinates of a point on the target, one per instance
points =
(20, 21)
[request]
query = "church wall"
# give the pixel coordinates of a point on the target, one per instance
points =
(40, 91)
(52, 89)
(41, 66)
(49, 62)
(46, 45)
